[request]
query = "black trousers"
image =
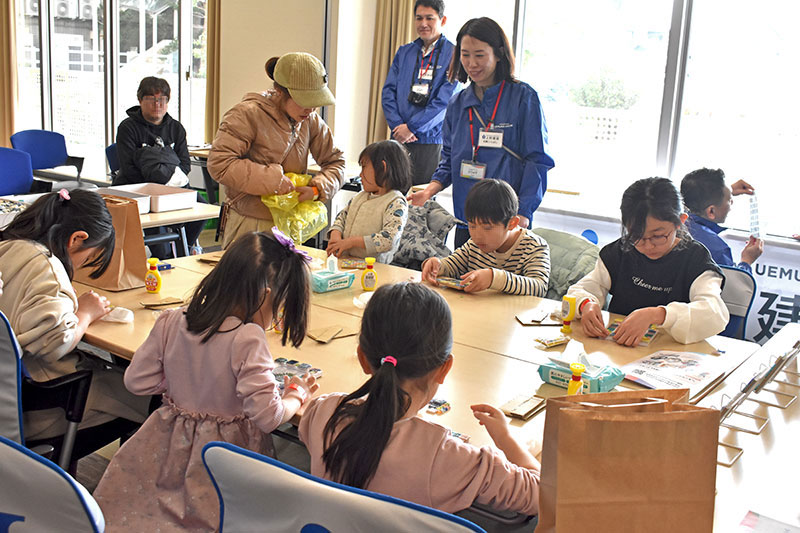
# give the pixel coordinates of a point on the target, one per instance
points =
(424, 160)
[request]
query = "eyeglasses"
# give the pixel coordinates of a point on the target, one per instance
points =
(162, 100)
(655, 240)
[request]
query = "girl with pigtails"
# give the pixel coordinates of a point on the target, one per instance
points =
(372, 438)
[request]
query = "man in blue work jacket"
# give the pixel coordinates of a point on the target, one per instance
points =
(416, 91)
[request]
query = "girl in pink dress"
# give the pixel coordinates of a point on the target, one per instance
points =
(211, 362)
(372, 438)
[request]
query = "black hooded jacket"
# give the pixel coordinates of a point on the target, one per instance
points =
(137, 165)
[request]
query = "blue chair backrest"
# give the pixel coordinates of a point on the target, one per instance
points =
(10, 384)
(48, 149)
(258, 493)
(37, 495)
(16, 173)
(112, 157)
(738, 294)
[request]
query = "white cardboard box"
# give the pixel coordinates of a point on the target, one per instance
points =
(162, 197)
(143, 200)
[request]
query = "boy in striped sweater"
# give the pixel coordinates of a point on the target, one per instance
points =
(499, 255)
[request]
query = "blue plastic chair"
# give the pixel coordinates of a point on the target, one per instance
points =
(113, 158)
(590, 235)
(16, 173)
(738, 294)
(258, 493)
(48, 149)
(37, 495)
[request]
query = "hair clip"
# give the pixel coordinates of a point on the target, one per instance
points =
(64, 194)
(288, 243)
(389, 359)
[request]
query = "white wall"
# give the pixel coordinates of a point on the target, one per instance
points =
(252, 31)
(351, 47)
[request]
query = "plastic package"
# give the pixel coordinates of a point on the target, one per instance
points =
(604, 380)
(326, 281)
(298, 220)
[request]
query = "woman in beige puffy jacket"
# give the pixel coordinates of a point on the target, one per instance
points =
(269, 134)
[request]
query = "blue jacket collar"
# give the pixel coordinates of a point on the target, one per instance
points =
(470, 100)
(700, 221)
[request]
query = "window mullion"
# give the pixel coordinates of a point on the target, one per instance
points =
(673, 83)
(45, 63)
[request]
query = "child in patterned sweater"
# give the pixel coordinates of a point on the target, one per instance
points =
(499, 255)
(373, 221)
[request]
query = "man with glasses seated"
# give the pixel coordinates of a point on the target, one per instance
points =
(151, 146)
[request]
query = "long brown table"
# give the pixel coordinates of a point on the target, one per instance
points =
(495, 360)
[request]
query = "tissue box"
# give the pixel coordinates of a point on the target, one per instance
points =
(326, 281)
(604, 381)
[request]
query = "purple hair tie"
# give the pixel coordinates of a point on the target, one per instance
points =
(288, 243)
(64, 194)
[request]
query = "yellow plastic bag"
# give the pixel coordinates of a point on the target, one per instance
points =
(298, 220)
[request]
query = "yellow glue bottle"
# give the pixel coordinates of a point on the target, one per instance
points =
(369, 279)
(568, 311)
(576, 383)
(152, 280)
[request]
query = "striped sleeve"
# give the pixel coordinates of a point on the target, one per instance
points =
(527, 270)
(458, 263)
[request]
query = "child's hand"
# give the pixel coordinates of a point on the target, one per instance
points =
(306, 382)
(333, 239)
(430, 270)
(479, 280)
(93, 305)
(493, 420)
(338, 246)
(592, 320)
(752, 250)
(306, 193)
(633, 328)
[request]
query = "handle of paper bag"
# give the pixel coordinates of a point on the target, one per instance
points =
(645, 401)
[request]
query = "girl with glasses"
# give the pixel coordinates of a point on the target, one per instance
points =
(655, 273)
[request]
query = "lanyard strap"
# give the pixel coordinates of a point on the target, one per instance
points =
(491, 120)
(437, 49)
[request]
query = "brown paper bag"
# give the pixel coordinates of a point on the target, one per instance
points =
(129, 262)
(628, 461)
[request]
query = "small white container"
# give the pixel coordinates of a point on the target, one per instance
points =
(162, 197)
(143, 200)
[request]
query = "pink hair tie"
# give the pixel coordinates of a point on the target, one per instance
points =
(389, 359)
(64, 194)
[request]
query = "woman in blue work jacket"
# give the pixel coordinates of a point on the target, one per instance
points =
(493, 129)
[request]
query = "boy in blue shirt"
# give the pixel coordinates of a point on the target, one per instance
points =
(500, 254)
(416, 90)
(709, 201)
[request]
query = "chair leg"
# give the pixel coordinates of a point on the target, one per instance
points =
(67, 445)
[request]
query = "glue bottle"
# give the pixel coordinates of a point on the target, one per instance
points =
(369, 279)
(576, 383)
(152, 280)
(568, 310)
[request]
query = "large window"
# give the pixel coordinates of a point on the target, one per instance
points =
(67, 85)
(598, 67)
(739, 109)
(632, 89)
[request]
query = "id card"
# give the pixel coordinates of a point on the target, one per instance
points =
(420, 88)
(426, 74)
(473, 170)
(490, 138)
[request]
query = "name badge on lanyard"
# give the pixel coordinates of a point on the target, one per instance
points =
(490, 138)
(426, 73)
(421, 88)
(473, 170)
